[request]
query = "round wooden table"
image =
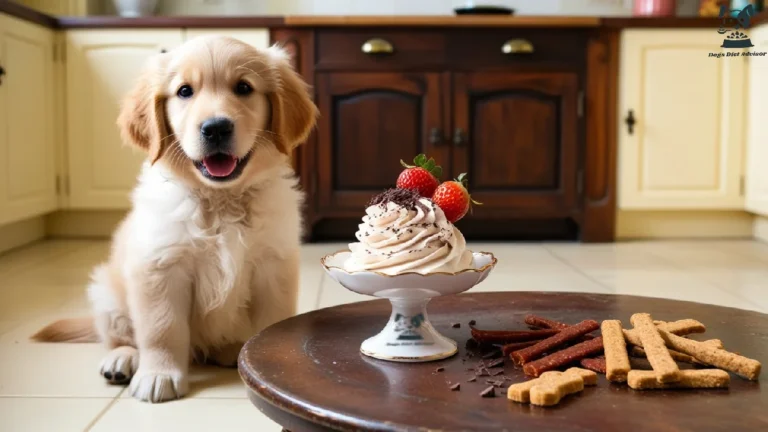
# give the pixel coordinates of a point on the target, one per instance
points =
(307, 374)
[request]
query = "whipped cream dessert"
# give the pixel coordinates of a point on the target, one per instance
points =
(403, 232)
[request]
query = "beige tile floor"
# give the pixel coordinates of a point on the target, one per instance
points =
(55, 387)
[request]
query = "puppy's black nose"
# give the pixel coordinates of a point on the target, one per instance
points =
(217, 129)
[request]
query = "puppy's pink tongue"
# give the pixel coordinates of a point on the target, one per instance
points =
(220, 165)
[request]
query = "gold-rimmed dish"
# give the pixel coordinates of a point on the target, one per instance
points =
(409, 336)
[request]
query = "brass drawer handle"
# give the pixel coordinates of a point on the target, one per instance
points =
(377, 46)
(517, 46)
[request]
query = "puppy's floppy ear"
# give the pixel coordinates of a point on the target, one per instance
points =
(142, 120)
(293, 112)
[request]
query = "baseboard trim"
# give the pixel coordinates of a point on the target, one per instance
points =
(760, 228)
(83, 223)
(632, 225)
(23, 232)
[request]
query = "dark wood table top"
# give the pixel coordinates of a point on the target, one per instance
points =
(307, 373)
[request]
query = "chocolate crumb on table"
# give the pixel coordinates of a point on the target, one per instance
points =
(495, 363)
(456, 325)
(456, 387)
(440, 369)
(488, 392)
(473, 379)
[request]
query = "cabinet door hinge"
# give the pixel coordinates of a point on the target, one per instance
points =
(580, 105)
(742, 185)
(580, 182)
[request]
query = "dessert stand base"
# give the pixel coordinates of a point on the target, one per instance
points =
(409, 337)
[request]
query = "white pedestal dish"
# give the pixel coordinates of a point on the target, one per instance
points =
(409, 336)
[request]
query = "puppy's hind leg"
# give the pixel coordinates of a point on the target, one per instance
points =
(119, 365)
(113, 325)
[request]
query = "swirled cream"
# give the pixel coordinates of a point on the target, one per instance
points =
(402, 232)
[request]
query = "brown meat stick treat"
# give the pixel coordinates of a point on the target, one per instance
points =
(639, 352)
(740, 365)
(594, 364)
(616, 359)
(503, 336)
(545, 323)
(692, 378)
(564, 357)
(509, 348)
(547, 345)
(666, 369)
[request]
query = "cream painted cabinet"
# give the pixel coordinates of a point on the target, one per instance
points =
(256, 37)
(102, 66)
(684, 148)
(27, 136)
(757, 127)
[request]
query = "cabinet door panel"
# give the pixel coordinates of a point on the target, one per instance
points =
(102, 67)
(27, 144)
(757, 132)
(685, 150)
(535, 146)
(520, 141)
(371, 122)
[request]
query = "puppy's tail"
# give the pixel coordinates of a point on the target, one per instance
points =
(78, 330)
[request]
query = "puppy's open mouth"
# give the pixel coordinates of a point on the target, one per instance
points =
(222, 166)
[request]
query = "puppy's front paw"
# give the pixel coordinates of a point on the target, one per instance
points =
(158, 386)
(119, 365)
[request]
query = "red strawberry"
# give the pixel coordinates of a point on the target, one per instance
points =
(452, 197)
(422, 176)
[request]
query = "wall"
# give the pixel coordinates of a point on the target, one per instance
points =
(394, 7)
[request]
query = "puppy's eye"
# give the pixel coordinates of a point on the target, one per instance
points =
(185, 92)
(243, 88)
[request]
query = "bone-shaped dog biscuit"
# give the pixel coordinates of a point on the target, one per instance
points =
(549, 392)
(521, 392)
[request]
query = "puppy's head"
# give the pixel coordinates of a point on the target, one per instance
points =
(218, 111)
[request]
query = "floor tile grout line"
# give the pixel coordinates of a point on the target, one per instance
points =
(56, 256)
(101, 413)
(692, 274)
(578, 270)
(57, 397)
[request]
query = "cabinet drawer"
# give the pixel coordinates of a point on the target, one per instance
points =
(343, 49)
(509, 48)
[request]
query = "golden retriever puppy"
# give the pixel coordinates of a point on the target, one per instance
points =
(209, 253)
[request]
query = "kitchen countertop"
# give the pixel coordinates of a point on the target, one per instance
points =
(31, 15)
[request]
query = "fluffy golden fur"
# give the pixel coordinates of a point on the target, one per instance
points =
(200, 264)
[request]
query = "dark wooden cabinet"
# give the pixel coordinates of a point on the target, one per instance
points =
(371, 121)
(510, 107)
(517, 135)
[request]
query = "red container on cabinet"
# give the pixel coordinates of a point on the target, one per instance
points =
(655, 8)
